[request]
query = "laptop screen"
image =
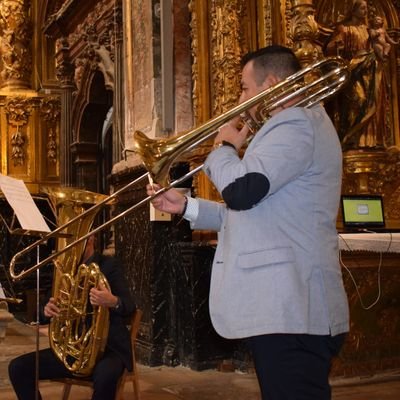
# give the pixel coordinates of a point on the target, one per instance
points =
(363, 211)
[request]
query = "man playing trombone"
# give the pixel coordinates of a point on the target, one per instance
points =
(276, 278)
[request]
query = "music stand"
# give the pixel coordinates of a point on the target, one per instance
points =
(24, 218)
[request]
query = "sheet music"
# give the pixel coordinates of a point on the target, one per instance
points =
(19, 198)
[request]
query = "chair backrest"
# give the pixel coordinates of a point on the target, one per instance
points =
(135, 325)
(134, 329)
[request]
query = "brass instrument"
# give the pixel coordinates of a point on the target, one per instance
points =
(305, 88)
(79, 334)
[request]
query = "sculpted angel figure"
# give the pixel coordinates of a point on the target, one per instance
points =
(381, 41)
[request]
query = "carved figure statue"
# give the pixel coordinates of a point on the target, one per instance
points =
(381, 41)
(360, 107)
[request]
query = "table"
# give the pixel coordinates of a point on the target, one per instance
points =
(375, 242)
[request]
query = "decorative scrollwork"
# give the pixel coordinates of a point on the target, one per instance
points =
(226, 52)
(17, 148)
(18, 110)
(50, 112)
(64, 68)
(15, 36)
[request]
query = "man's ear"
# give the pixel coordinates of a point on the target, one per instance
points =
(270, 80)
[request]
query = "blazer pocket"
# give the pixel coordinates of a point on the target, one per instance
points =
(266, 257)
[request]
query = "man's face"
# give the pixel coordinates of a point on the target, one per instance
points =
(249, 84)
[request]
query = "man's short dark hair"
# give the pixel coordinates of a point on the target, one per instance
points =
(278, 60)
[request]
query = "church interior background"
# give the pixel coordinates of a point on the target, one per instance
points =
(78, 78)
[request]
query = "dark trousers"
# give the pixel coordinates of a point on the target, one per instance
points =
(294, 366)
(22, 374)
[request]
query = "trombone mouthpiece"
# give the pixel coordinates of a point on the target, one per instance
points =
(251, 123)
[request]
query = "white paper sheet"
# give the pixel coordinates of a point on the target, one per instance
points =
(19, 198)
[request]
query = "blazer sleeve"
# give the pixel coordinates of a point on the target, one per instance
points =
(281, 151)
(113, 271)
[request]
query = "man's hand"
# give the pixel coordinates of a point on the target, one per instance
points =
(51, 309)
(172, 201)
(230, 133)
(101, 296)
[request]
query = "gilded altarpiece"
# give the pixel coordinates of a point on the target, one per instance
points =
(306, 26)
(29, 116)
(26, 154)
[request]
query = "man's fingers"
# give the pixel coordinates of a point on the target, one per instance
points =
(51, 310)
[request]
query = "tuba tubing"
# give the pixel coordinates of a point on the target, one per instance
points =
(305, 88)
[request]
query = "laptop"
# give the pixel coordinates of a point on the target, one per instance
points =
(362, 213)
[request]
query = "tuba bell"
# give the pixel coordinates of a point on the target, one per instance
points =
(78, 335)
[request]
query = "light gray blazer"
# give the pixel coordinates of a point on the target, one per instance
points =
(276, 267)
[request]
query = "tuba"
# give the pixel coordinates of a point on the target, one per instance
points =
(78, 335)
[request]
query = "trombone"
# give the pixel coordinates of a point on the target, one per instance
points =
(305, 88)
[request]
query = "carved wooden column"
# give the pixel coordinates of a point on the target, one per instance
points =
(15, 42)
(118, 126)
(148, 248)
(304, 32)
(224, 47)
(65, 74)
(50, 112)
(128, 69)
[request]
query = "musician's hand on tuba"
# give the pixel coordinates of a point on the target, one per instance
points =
(102, 296)
(172, 201)
(51, 309)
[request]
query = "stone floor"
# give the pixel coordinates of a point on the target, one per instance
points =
(180, 383)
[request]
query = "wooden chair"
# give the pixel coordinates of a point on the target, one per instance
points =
(134, 328)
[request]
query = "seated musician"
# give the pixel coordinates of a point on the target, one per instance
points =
(118, 351)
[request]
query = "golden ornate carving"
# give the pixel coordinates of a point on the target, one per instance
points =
(199, 64)
(78, 75)
(265, 32)
(64, 68)
(200, 76)
(225, 53)
(304, 32)
(95, 38)
(18, 110)
(370, 122)
(50, 111)
(370, 159)
(15, 37)
(17, 147)
(361, 106)
(215, 67)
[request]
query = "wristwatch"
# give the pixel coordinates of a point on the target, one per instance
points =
(117, 306)
(223, 143)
